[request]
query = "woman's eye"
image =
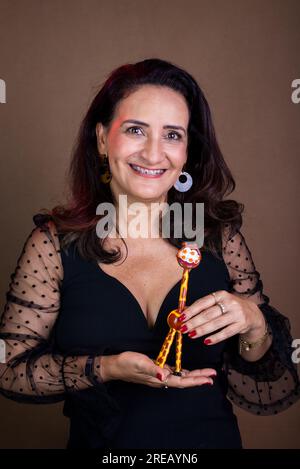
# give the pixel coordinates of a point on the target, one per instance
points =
(134, 128)
(177, 135)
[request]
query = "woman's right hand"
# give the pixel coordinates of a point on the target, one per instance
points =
(138, 368)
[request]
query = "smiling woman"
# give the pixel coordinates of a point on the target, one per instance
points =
(81, 327)
(154, 150)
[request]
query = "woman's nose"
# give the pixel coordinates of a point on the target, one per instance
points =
(153, 152)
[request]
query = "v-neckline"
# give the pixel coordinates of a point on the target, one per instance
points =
(129, 292)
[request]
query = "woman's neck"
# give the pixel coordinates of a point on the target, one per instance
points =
(139, 219)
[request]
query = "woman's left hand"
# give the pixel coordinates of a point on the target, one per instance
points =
(240, 316)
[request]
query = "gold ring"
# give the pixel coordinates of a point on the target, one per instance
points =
(221, 306)
(214, 295)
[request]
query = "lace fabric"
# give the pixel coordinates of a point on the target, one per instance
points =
(270, 384)
(34, 372)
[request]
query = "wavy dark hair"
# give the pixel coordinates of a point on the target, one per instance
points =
(212, 179)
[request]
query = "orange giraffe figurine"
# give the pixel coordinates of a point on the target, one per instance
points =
(188, 257)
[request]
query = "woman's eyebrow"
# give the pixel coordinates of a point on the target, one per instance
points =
(133, 121)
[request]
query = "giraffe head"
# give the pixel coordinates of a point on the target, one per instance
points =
(189, 256)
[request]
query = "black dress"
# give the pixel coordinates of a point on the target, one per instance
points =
(99, 314)
(62, 309)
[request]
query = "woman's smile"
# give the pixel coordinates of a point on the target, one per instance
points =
(147, 172)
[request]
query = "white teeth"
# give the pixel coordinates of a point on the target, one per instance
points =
(147, 171)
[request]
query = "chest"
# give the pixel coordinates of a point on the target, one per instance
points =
(100, 314)
(148, 278)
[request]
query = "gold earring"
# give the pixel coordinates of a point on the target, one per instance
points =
(105, 174)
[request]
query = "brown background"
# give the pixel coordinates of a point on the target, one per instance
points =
(244, 54)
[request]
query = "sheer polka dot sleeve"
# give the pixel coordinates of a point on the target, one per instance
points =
(29, 370)
(270, 384)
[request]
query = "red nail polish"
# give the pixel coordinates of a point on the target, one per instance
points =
(192, 333)
(208, 382)
(182, 317)
(159, 376)
(207, 341)
(183, 328)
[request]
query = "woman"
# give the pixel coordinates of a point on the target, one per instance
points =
(86, 315)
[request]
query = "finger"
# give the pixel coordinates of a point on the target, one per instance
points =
(207, 372)
(188, 381)
(211, 326)
(206, 316)
(202, 303)
(203, 372)
(155, 371)
(227, 332)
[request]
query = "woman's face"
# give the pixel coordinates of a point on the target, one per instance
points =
(157, 143)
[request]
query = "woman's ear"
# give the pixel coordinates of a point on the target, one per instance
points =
(101, 138)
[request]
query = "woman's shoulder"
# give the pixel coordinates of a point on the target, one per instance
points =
(44, 236)
(232, 238)
(44, 223)
(41, 218)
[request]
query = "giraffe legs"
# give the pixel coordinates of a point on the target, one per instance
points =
(165, 349)
(178, 353)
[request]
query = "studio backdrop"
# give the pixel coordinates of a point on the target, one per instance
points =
(54, 57)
